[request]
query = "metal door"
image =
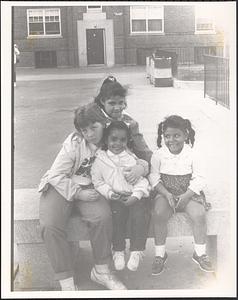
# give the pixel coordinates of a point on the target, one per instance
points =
(95, 46)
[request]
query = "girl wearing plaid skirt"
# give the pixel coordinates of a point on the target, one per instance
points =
(178, 187)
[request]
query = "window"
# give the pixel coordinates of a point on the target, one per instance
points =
(44, 22)
(147, 19)
(204, 22)
(94, 8)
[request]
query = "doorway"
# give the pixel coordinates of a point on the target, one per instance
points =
(95, 46)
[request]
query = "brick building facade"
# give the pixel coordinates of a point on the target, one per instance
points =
(74, 36)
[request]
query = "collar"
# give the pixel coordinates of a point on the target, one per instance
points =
(120, 155)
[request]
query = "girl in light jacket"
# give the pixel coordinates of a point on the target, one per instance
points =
(128, 201)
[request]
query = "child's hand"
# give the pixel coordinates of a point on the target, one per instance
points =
(182, 202)
(115, 196)
(132, 174)
(130, 200)
(87, 195)
(171, 200)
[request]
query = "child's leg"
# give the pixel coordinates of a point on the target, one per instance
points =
(160, 215)
(119, 219)
(196, 211)
(99, 218)
(139, 217)
(55, 211)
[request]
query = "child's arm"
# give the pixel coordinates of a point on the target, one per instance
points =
(59, 176)
(197, 182)
(154, 178)
(163, 191)
(140, 148)
(98, 181)
(132, 174)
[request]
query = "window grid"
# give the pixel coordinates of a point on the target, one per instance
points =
(44, 16)
(148, 21)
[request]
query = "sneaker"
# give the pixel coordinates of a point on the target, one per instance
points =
(108, 280)
(134, 260)
(203, 261)
(158, 264)
(119, 260)
(15, 84)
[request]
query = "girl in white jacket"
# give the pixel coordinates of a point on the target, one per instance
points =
(127, 200)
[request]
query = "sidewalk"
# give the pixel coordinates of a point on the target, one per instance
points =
(46, 99)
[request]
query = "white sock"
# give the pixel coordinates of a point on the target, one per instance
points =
(160, 250)
(200, 249)
(67, 284)
(102, 268)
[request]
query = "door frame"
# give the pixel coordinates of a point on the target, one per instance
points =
(107, 25)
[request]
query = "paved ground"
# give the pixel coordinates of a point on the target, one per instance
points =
(43, 113)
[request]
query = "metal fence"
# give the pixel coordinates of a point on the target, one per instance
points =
(216, 79)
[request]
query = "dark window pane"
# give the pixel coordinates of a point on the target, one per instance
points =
(47, 18)
(154, 25)
(52, 28)
(30, 19)
(36, 28)
(138, 25)
(56, 18)
(40, 19)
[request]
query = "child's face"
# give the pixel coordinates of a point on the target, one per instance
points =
(114, 106)
(93, 133)
(117, 141)
(174, 139)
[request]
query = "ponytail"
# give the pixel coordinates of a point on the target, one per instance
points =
(191, 133)
(160, 131)
(110, 87)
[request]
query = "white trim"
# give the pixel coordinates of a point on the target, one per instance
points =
(45, 35)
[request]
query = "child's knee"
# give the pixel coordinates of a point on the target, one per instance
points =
(161, 208)
(197, 212)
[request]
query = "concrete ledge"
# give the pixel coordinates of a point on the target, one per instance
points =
(37, 273)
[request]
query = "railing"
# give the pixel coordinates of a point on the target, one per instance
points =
(216, 79)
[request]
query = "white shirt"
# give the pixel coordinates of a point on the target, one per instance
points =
(186, 162)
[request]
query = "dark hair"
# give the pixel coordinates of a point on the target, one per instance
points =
(176, 122)
(110, 88)
(116, 125)
(86, 115)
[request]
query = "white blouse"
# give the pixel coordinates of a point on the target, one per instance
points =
(186, 162)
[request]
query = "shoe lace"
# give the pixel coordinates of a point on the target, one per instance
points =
(205, 258)
(138, 254)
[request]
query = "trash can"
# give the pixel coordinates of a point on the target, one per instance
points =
(164, 67)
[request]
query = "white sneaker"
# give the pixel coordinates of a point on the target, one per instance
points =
(119, 260)
(134, 260)
(108, 280)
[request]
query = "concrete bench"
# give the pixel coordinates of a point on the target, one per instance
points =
(35, 271)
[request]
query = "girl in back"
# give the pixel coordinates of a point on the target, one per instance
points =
(178, 186)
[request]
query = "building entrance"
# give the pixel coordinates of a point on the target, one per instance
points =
(95, 46)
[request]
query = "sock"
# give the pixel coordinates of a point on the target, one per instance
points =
(102, 268)
(160, 250)
(200, 249)
(67, 284)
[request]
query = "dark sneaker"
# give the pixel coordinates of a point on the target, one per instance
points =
(204, 262)
(158, 264)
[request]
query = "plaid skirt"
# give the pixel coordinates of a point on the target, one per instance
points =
(178, 184)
